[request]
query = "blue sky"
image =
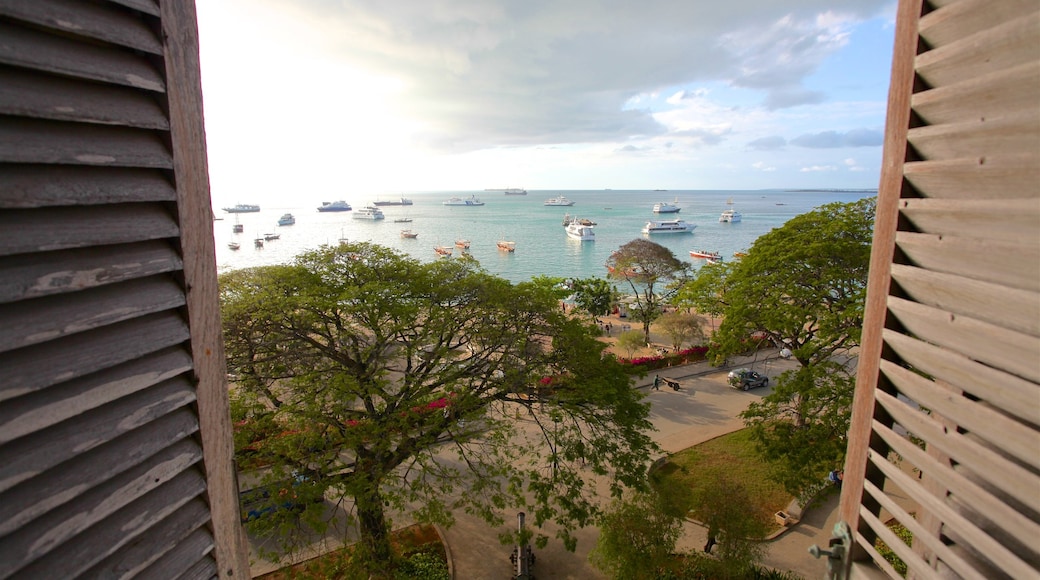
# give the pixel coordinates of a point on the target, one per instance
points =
(320, 99)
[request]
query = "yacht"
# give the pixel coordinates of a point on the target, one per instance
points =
(730, 216)
(459, 201)
(579, 231)
(369, 212)
(666, 207)
(334, 206)
(286, 220)
(559, 200)
(243, 208)
(668, 227)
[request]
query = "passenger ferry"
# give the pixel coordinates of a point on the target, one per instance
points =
(668, 227)
(369, 212)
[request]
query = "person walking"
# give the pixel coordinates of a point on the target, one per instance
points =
(712, 540)
(657, 382)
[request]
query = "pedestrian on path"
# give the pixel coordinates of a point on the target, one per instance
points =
(712, 540)
(657, 382)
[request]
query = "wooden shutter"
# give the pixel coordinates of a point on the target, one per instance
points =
(944, 436)
(115, 450)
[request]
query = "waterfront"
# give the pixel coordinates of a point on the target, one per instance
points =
(542, 246)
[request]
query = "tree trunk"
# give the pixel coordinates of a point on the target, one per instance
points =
(375, 535)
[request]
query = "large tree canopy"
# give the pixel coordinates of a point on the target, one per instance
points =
(802, 287)
(397, 383)
(645, 266)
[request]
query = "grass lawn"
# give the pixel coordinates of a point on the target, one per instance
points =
(731, 456)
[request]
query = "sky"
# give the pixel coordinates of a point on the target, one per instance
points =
(330, 99)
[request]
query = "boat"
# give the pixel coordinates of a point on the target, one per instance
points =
(443, 251)
(238, 228)
(568, 219)
(243, 208)
(286, 220)
(334, 206)
(730, 216)
(729, 201)
(369, 212)
(270, 237)
(560, 201)
(578, 231)
(739, 254)
(403, 220)
(506, 246)
(706, 255)
(666, 207)
(668, 227)
(454, 200)
(463, 244)
(234, 245)
(258, 243)
(409, 234)
(402, 201)
(510, 190)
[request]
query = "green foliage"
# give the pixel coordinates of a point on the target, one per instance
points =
(637, 538)
(423, 565)
(630, 341)
(681, 327)
(375, 379)
(594, 295)
(643, 265)
(886, 552)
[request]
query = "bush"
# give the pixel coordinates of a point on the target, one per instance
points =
(682, 357)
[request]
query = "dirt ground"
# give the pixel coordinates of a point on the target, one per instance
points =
(614, 325)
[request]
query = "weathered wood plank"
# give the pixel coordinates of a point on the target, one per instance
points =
(1007, 220)
(1002, 46)
(204, 569)
(38, 50)
(108, 537)
(1007, 176)
(53, 317)
(172, 548)
(25, 186)
(1008, 307)
(165, 405)
(51, 273)
(147, 6)
(44, 409)
(97, 21)
(1003, 93)
(1016, 265)
(32, 369)
(976, 339)
(34, 530)
(962, 19)
(978, 139)
(37, 141)
(41, 230)
(45, 96)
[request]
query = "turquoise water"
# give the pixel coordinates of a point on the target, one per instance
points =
(542, 246)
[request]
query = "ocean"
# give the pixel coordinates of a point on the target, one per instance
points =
(542, 245)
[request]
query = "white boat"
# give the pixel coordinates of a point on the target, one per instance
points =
(286, 220)
(409, 234)
(506, 246)
(706, 255)
(271, 237)
(668, 227)
(369, 212)
(243, 208)
(234, 245)
(258, 243)
(730, 216)
(568, 219)
(666, 207)
(402, 201)
(454, 200)
(403, 220)
(334, 206)
(579, 231)
(238, 228)
(559, 200)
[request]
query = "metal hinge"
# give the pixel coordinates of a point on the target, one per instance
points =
(838, 555)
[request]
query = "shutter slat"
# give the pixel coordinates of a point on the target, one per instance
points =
(1003, 391)
(38, 230)
(98, 21)
(977, 339)
(1003, 46)
(1000, 94)
(1018, 310)
(1011, 264)
(43, 409)
(43, 96)
(204, 569)
(34, 49)
(1007, 135)
(71, 440)
(1000, 177)
(32, 186)
(33, 141)
(147, 6)
(1004, 220)
(53, 317)
(193, 545)
(67, 271)
(29, 370)
(963, 18)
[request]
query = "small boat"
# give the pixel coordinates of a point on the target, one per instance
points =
(706, 255)
(286, 220)
(409, 234)
(340, 205)
(403, 220)
(258, 243)
(666, 207)
(402, 201)
(234, 245)
(237, 228)
(369, 212)
(668, 227)
(739, 254)
(343, 237)
(576, 230)
(559, 201)
(463, 244)
(243, 208)
(730, 216)
(729, 201)
(506, 246)
(443, 251)
(454, 200)
(269, 237)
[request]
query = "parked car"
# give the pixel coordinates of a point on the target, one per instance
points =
(745, 379)
(267, 499)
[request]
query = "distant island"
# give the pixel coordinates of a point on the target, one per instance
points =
(833, 190)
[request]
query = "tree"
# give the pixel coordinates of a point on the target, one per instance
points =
(725, 508)
(395, 385)
(801, 287)
(594, 295)
(681, 327)
(630, 341)
(643, 265)
(636, 538)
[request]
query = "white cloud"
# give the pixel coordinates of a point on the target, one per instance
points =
(818, 168)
